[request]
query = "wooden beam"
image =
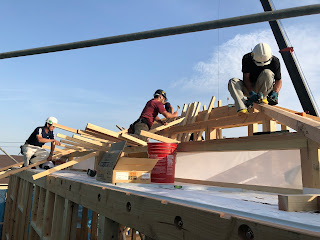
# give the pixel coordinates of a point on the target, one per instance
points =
(252, 128)
(49, 148)
(227, 122)
(278, 190)
(10, 166)
(299, 202)
(281, 141)
(65, 128)
(187, 115)
(310, 165)
(158, 137)
(154, 130)
(134, 139)
(91, 136)
(83, 143)
(309, 127)
(64, 165)
(91, 141)
(193, 120)
(205, 118)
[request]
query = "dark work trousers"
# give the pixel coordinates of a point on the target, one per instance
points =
(137, 129)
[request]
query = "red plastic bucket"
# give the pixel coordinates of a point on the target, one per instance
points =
(164, 170)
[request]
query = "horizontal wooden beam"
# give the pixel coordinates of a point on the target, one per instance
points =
(157, 129)
(83, 143)
(298, 203)
(242, 186)
(65, 128)
(274, 141)
(158, 137)
(226, 122)
(310, 128)
(64, 165)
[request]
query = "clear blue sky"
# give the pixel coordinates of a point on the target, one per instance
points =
(109, 85)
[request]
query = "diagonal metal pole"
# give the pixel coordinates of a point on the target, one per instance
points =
(296, 76)
(196, 27)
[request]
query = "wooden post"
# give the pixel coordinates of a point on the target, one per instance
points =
(94, 226)
(48, 214)
(310, 166)
(269, 125)
(57, 217)
(252, 128)
(219, 130)
(84, 224)
(108, 229)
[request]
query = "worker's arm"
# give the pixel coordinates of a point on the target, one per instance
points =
(53, 145)
(45, 140)
(277, 86)
(246, 82)
(157, 119)
(170, 115)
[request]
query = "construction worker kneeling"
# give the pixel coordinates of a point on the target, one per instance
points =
(150, 114)
(32, 149)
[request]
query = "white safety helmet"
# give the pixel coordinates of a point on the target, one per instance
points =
(262, 54)
(51, 120)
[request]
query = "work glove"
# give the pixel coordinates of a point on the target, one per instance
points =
(274, 96)
(253, 97)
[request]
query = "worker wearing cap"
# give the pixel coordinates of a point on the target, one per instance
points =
(150, 114)
(32, 149)
(261, 79)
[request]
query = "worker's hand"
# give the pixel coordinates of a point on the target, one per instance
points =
(57, 142)
(274, 96)
(253, 97)
(49, 158)
(176, 114)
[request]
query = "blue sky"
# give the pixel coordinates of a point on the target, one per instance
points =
(109, 85)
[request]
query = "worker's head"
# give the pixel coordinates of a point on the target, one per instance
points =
(50, 121)
(161, 96)
(262, 54)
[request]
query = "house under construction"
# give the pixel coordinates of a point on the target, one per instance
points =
(65, 202)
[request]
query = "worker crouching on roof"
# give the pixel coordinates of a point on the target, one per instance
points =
(150, 114)
(261, 79)
(32, 149)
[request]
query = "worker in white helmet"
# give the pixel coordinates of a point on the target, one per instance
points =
(32, 149)
(261, 79)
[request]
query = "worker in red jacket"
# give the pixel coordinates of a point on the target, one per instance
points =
(150, 114)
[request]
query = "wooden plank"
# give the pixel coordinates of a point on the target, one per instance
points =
(310, 165)
(27, 209)
(69, 226)
(94, 226)
(49, 148)
(99, 143)
(269, 125)
(187, 110)
(57, 220)
(295, 112)
(158, 137)
(10, 166)
(206, 117)
(134, 139)
(89, 136)
(219, 130)
(83, 143)
(107, 229)
(81, 146)
(34, 211)
(278, 190)
(192, 120)
(281, 141)
(84, 222)
(64, 165)
(149, 213)
(65, 128)
(227, 122)
(299, 202)
(309, 127)
(48, 214)
(154, 130)
(40, 210)
(252, 128)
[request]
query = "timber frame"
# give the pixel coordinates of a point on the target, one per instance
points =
(56, 198)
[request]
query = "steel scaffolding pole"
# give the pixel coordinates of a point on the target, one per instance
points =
(291, 64)
(222, 23)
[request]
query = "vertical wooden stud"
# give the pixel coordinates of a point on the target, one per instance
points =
(252, 128)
